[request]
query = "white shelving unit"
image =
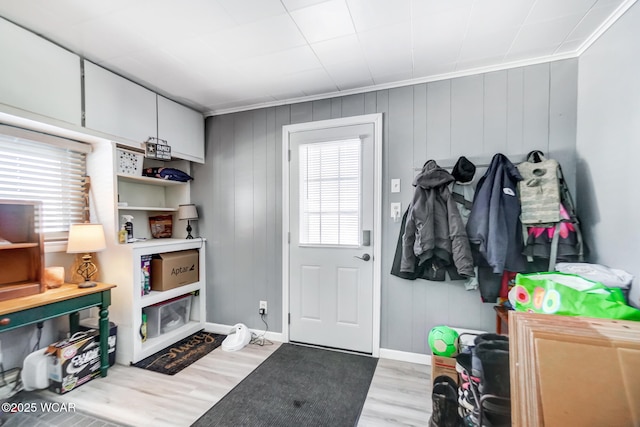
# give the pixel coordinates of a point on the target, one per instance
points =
(120, 264)
(128, 301)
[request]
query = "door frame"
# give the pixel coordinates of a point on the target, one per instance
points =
(287, 130)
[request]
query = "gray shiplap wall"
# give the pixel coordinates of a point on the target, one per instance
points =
(239, 187)
(608, 148)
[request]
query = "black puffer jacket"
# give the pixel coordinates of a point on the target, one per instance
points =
(434, 228)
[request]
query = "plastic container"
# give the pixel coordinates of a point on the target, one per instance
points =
(168, 315)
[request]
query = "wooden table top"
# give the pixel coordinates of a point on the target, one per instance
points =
(65, 292)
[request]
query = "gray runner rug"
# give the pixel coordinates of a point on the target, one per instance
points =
(297, 386)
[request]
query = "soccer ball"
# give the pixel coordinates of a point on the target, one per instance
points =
(443, 341)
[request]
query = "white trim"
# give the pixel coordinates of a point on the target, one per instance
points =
(218, 328)
(404, 356)
(56, 141)
(402, 83)
(376, 120)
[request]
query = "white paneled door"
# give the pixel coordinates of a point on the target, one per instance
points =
(331, 248)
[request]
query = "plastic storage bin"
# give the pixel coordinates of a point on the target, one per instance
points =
(168, 315)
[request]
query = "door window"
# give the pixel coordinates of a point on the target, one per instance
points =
(330, 193)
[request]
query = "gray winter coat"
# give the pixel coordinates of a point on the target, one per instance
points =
(434, 227)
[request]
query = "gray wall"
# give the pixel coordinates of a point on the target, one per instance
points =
(239, 187)
(608, 146)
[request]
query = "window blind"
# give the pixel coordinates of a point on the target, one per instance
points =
(51, 173)
(330, 193)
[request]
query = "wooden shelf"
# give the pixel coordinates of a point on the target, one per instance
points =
(22, 264)
(148, 180)
(18, 245)
(155, 297)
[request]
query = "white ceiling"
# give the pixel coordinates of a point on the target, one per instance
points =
(228, 55)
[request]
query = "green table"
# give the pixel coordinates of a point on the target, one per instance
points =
(67, 299)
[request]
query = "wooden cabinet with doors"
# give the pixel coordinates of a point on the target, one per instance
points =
(21, 249)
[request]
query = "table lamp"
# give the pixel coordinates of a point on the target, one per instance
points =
(188, 212)
(86, 238)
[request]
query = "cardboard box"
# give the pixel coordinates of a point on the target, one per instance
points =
(74, 361)
(173, 269)
(443, 366)
(93, 323)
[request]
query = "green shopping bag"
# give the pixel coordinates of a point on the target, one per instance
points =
(569, 295)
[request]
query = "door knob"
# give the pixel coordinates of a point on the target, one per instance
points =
(365, 257)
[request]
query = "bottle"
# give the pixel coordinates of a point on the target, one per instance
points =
(128, 225)
(122, 234)
(143, 328)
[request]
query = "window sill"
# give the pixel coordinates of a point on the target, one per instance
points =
(50, 247)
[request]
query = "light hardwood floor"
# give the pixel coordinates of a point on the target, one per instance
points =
(399, 393)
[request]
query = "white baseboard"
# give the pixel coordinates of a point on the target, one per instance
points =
(217, 328)
(385, 353)
(405, 356)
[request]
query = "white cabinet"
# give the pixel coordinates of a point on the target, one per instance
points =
(38, 76)
(119, 107)
(182, 128)
(128, 302)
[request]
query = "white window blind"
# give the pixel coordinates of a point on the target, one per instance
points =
(330, 193)
(51, 173)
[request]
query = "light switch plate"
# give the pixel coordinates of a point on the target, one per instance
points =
(396, 211)
(395, 185)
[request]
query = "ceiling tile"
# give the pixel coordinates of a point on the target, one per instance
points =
(314, 82)
(337, 51)
(438, 37)
(423, 8)
(350, 74)
(370, 14)
(324, 21)
(490, 16)
(592, 21)
(533, 39)
(393, 77)
(292, 5)
(257, 38)
(487, 45)
(387, 50)
(279, 63)
(549, 10)
(246, 11)
(168, 21)
(432, 68)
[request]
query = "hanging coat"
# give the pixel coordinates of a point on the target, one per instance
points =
(434, 231)
(494, 222)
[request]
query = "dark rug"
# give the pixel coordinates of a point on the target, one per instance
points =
(178, 356)
(297, 386)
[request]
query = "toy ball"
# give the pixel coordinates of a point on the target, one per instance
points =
(443, 341)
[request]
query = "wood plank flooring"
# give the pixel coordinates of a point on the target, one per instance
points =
(400, 393)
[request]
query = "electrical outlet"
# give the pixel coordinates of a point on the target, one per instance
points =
(263, 307)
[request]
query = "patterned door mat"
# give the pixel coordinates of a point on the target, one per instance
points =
(183, 353)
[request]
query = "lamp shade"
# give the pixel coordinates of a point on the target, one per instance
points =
(187, 212)
(85, 238)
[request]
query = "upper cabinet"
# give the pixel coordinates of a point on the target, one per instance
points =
(38, 76)
(182, 128)
(128, 111)
(117, 106)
